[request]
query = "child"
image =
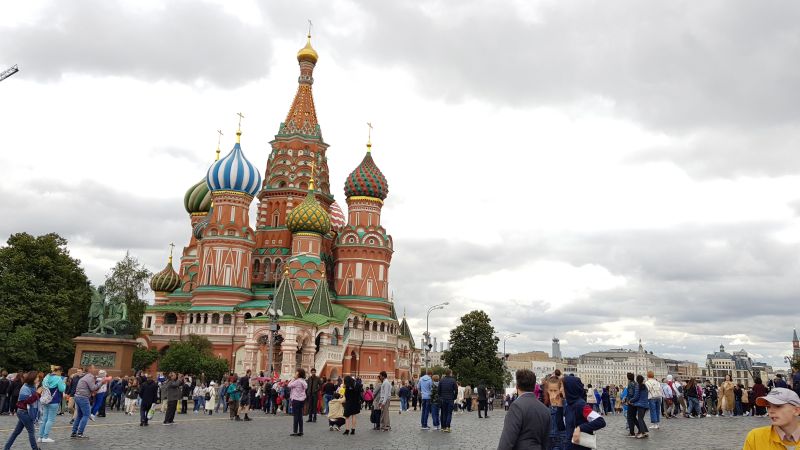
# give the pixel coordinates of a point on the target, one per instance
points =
(336, 412)
(554, 398)
(783, 408)
(579, 417)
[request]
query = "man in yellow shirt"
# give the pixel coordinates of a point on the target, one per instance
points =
(783, 409)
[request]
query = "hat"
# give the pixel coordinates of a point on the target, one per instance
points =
(669, 377)
(779, 396)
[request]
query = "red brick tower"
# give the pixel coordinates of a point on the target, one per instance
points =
(228, 240)
(297, 148)
(363, 250)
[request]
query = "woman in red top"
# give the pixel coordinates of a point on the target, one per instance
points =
(759, 390)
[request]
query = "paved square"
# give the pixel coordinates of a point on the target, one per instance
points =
(118, 431)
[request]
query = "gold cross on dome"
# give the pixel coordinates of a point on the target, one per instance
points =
(171, 246)
(241, 116)
(369, 136)
(219, 141)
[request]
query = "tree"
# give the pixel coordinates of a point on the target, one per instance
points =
(128, 280)
(144, 357)
(193, 356)
(44, 300)
(473, 352)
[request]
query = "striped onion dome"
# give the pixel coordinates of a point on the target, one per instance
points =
(366, 180)
(166, 280)
(197, 199)
(338, 219)
(201, 226)
(309, 216)
(234, 173)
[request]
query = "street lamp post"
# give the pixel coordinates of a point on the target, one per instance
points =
(427, 332)
(505, 358)
(274, 315)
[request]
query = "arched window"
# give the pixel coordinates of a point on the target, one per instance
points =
(256, 266)
(226, 319)
(191, 318)
(259, 314)
(215, 319)
(383, 328)
(247, 316)
(276, 215)
(355, 322)
(374, 326)
(335, 337)
(170, 319)
(267, 267)
(205, 318)
(349, 287)
(366, 325)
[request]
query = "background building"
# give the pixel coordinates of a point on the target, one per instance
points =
(738, 365)
(612, 366)
(683, 369)
(556, 352)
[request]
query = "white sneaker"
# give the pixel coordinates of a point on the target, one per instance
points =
(92, 417)
(46, 440)
(436, 428)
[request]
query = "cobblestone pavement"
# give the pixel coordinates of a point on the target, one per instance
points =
(118, 431)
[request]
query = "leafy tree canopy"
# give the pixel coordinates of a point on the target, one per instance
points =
(143, 357)
(128, 280)
(473, 352)
(193, 356)
(44, 301)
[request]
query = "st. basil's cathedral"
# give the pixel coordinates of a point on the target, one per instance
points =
(327, 272)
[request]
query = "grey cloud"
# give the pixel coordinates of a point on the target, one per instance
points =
(184, 42)
(673, 277)
(100, 216)
(676, 65)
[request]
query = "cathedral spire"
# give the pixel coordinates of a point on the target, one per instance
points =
(302, 117)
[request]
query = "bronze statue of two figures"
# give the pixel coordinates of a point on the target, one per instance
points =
(109, 318)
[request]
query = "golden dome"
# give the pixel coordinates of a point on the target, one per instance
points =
(308, 53)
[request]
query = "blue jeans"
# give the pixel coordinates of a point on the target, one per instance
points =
(326, 398)
(403, 404)
(25, 421)
(435, 414)
(199, 403)
(49, 416)
(693, 404)
(655, 410)
(98, 402)
(426, 411)
(447, 413)
(82, 405)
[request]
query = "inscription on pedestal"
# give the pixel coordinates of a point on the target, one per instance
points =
(99, 359)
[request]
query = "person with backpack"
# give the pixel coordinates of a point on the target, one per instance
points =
(53, 387)
(435, 402)
(27, 397)
(5, 387)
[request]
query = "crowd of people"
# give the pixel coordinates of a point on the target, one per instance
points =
(558, 412)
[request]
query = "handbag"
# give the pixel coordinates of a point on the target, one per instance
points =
(586, 440)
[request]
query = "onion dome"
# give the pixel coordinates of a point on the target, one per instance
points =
(309, 216)
(201, 226)
(338, 219)
(307, 53)
(366, 180)
(234, 173)
(166, 280)
(198, 198)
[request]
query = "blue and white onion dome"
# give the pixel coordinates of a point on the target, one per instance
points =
(234, 173)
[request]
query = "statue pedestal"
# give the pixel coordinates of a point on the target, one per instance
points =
(114, 354)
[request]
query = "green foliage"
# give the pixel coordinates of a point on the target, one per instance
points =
(44, 300)
(473, 352)
(128, 280)
(193, 356)
(143, 357)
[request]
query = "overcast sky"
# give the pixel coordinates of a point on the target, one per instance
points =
(603, 172)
